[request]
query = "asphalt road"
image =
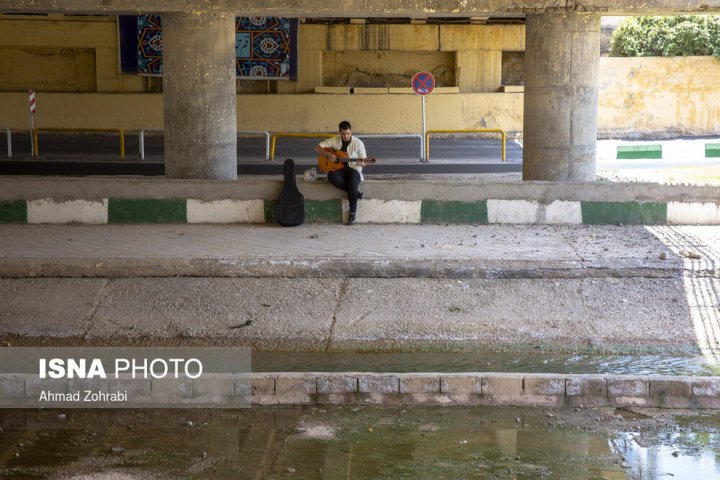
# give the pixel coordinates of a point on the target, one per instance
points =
(100, 155)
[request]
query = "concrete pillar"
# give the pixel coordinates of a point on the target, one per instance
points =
(200, 105)
(562, 58)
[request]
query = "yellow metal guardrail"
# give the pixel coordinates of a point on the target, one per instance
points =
(427, 138)
(274, 137)
(119, 130)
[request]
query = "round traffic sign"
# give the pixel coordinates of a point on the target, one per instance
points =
(423, 83)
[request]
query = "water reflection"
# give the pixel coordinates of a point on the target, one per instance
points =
(673, 455)
(358, 443)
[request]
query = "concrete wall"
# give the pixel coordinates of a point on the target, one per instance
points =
(72, 63)
(651, 95)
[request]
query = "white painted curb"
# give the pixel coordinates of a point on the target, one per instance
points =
(698, 213)
(225, 211)
(385, 211)
(48, 210)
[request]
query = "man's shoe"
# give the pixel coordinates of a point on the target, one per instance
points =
(351, 219)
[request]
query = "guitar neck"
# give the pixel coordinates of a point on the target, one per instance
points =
(348, 160)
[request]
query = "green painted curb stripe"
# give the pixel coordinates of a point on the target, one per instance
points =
(13, 212)
(316, 211)
(712, 149)
(628, 213)
(323, 211)
(434, 211)
(639, 151)
(271, 209)
(121, 210)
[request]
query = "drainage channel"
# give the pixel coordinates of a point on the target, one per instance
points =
(509, 362)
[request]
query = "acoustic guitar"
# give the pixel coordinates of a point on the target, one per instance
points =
(326, 165)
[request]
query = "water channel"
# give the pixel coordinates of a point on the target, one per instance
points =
(390, 442)
(523, 362)
(358, 443)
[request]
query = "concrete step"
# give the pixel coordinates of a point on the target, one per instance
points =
(334, 251)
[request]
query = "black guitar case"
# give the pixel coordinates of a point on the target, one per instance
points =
(291, 208)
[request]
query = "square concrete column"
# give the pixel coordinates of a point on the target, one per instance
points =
(562, 58)
(200, 105)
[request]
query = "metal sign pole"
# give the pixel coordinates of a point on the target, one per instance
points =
(32, 129)
(422, 153)
(422, 84)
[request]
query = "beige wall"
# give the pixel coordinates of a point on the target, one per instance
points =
(75, 58)
(650, 95)
(63, 38)
(385, 113)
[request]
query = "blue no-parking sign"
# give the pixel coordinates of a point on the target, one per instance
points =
(423, 83)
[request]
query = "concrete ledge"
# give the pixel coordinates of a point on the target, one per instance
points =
(486, 211)
(503, 389)
(402, 90)
(333, 90)
(349, 388)
(512, 89)
(436, 90)
(416, 200)
(370, 90)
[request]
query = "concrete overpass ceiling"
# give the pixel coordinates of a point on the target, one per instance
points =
(363, 8)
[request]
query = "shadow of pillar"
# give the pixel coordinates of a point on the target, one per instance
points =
(699, 248)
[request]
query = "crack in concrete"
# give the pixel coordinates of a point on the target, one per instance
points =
(341, 295)
(100, 297)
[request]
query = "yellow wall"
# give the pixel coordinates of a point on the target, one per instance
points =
(655, 94)
(32, 39)
(384, 113)
(75, 58)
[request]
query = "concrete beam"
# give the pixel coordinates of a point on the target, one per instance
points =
(363, 8)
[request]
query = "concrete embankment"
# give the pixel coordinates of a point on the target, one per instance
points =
(366, 287)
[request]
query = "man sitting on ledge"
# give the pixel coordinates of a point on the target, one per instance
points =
(349, 177)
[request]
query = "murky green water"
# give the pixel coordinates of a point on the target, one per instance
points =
(358, 443)
(528, 362)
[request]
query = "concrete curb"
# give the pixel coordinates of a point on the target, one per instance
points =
(484, 211)
(318, 267)
(491, 389)
(356, 388)
(414, 200)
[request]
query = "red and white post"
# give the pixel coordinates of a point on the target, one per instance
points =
(33, 108)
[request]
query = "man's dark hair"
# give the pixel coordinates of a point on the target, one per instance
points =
(345, 125)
